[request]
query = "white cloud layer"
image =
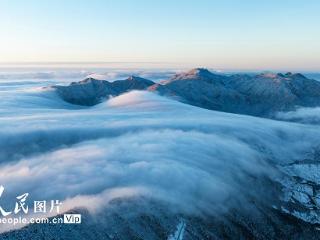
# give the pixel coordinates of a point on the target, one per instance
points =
(303, 115)
(138, 144)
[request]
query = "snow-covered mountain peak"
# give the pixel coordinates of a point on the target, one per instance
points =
(285, 76)
(89, 80)
(139, 80)
(196, 73)
(135, 78)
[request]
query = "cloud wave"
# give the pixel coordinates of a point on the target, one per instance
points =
(194, 159)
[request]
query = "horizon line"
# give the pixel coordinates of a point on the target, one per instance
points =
(180, 65)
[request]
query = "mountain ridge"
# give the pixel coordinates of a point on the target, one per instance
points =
(262, 94)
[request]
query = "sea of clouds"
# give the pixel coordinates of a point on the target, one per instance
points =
(137, 144)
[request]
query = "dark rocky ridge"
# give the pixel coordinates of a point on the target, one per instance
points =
(258, 95)
(91, 91)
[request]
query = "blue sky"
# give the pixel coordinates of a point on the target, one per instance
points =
(230, 34)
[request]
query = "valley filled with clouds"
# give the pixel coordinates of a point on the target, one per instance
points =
(197, 162)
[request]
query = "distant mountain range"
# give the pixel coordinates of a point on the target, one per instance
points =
(259, 95)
